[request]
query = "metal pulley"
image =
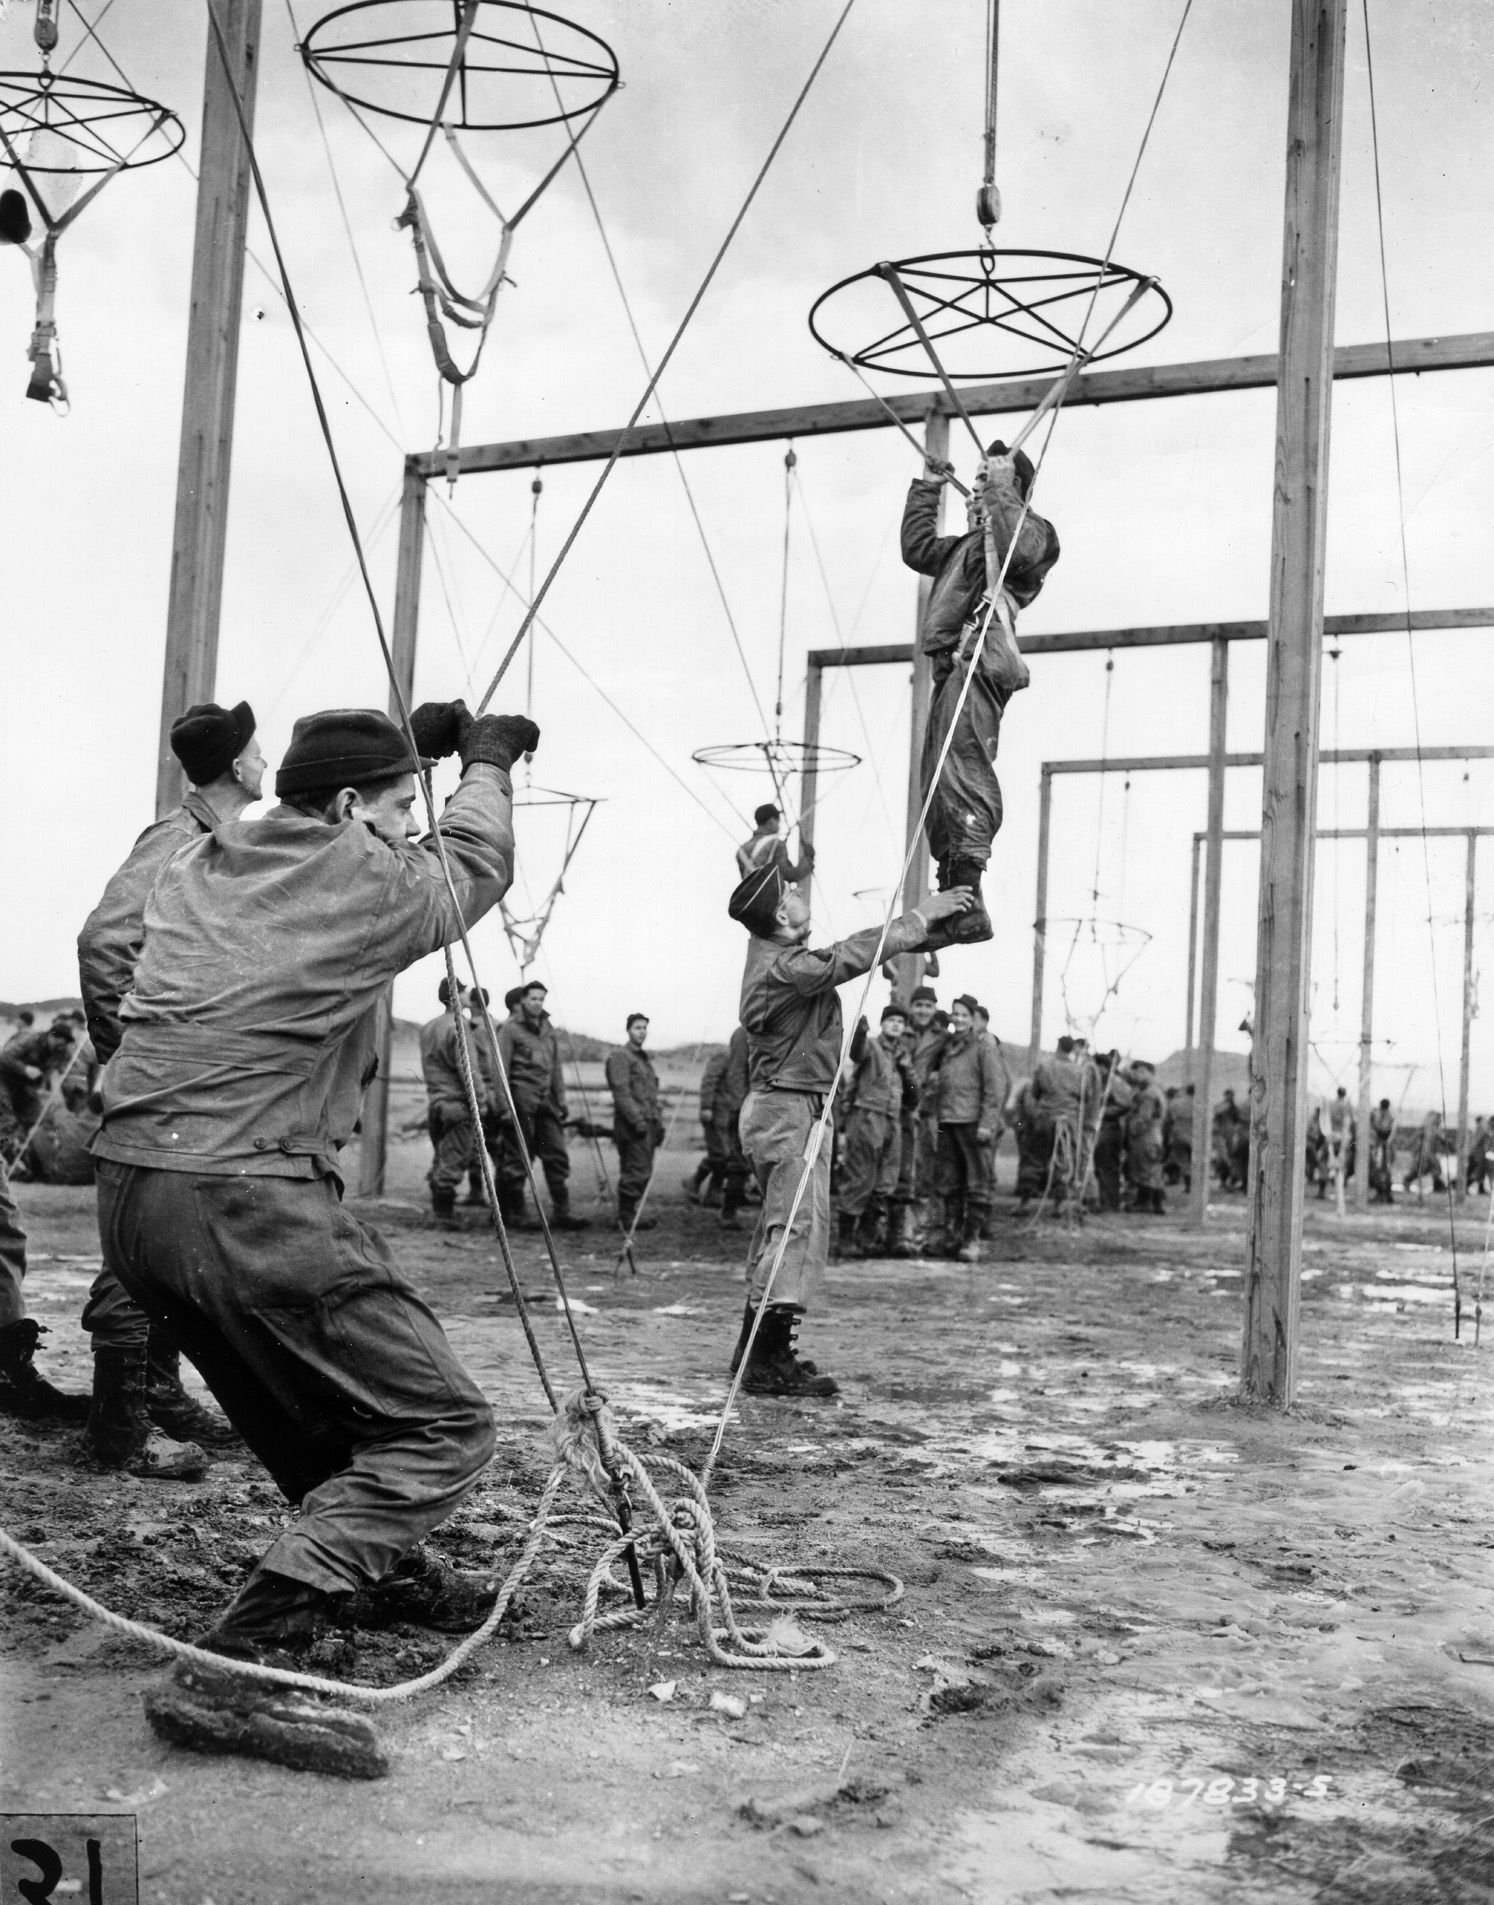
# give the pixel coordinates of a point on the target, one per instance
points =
(988, 206)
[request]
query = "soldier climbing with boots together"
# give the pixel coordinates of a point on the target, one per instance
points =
(791, 1011)
(974, 586)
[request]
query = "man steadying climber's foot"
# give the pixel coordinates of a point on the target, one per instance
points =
(965, 813)
(791, 1013)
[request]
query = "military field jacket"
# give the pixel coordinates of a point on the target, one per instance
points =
(882, 1079)
(634, 1085)
(958, 563)
(109, 943)
(967, 1083)
(735, 1082)
(789, 1005)
(532, 1061)
(248, 1036)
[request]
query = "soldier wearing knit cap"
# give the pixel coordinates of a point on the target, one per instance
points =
(791, 1012)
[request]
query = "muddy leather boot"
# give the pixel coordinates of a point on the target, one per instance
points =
(952, 1238)
(24, 1392)
(871, 1232)
(970, 1234)
(443, 1206)
(844, 1241)
(173, 1411)
(274, 1621)
(560, 1214)
(120, 1433)
(475, 1193)
(741, 1349)
(899, 1242)
(968, 929)
(775, 1368)
(428, 1592)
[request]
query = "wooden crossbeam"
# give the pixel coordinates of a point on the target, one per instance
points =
(1170, 635)
(1472, 350)
(1343, 756)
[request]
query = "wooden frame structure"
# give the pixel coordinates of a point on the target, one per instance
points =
(1302, 372)
(1372, 835)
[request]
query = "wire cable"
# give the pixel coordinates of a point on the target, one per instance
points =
(1400, 493)
(674, 343)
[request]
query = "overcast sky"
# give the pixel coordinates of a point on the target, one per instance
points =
(1163, 508)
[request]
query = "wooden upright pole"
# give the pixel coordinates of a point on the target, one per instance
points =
(1278, 1057)
(1192, 1079)
(1208, 988)
(809, 780)
(373, 1149)
(1464, 1055)
(1367, 988)
(916, 886)
(198, 539)
(1040, 917)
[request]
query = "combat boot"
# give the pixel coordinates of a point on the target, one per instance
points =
(560, 1214)
(844, 1243)
(273, 1621)
(173, 1411)
(871, 1233)
(899, 1244)
(775, 1368)
(741, 1349)
(952, 1238)
(24, 1391)
(971, 1233)
(443, 1206)
(968, 929)
(475, 1193)
(428, 1592)
(120, 1433)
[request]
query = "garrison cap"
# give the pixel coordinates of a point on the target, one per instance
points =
(756, 901)
(923, 993)
(344, 747)
(207, 739)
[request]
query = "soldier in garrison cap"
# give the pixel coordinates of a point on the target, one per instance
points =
(791, 1012)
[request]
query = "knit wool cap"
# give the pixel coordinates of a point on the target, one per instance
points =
(756, 901)
(207, 739)
(1021, 464)
(893, 1012)
(512, 997)
(923, 992)
(969, 1001)
(344, 747)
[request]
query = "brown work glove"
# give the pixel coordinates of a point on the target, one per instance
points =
(439, 728)
(499, 739)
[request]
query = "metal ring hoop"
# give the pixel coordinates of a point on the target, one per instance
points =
(598, 71)
(553, 797)
(779, 758)
(73, 109)
(1016, 302)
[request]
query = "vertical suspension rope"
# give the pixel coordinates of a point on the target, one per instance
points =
(789, 462)
(988, 199)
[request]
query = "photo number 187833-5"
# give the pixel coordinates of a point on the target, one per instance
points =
(1159, 1794)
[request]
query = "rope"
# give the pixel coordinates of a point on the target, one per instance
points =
(683, 1530)
(916, 832)
(1400, 494)
(674, 342)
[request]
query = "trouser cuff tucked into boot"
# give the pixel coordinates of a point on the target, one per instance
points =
(120, 1433)
(775, 1368)
(173, 1411)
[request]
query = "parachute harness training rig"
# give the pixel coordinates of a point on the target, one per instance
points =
(365, 51)
(57, 132)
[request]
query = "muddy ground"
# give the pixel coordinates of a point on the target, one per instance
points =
(1154, 1646)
